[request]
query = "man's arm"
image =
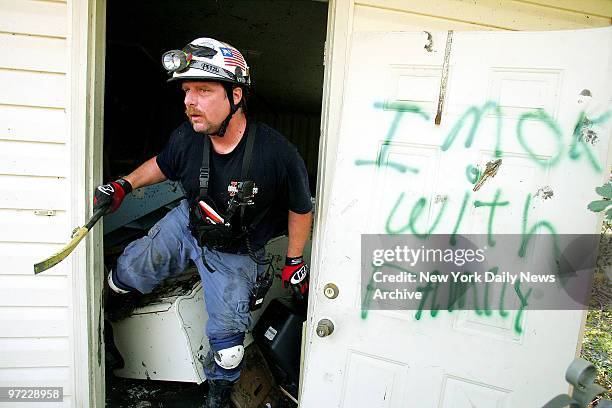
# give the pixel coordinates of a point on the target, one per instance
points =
(299, 231)
(295, 272)
(108, 197)
(146, 174)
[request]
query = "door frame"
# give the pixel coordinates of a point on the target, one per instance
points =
(336, 54)
(86, 120)
(337, 46)
(86, 48)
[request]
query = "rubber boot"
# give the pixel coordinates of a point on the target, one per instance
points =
(219, 392)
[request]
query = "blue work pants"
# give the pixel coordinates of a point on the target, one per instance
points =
(166, 250)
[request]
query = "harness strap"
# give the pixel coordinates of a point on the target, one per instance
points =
(205, 169)
(248, 151)
(246, 161)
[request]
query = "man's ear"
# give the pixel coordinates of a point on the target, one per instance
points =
(237, 94)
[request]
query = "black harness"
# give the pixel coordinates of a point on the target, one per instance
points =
(221, 236)
(246, 159)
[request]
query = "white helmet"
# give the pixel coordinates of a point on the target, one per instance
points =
(207, 59)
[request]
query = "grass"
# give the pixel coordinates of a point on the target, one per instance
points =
(597, 340)
(597, 346)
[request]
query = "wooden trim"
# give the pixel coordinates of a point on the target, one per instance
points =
(86, 73)
(337, 46)
(517, 14)
(600, 8)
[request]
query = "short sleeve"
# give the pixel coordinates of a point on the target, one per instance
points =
(169, 158)
(298, 188)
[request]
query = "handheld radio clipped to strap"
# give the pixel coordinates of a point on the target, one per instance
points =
(214, 230)
(209, 225)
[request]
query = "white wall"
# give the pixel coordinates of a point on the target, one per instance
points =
(35, 311)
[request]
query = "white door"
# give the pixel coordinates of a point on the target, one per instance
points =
(391, 164)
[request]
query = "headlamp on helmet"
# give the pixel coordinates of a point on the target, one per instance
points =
(179, 60)
(175, 60)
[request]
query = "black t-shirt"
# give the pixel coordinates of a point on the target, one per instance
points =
(276, 168)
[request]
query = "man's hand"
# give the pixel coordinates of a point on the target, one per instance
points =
(295, 273)
(111, 195)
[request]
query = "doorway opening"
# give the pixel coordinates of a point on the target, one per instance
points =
(283, 43)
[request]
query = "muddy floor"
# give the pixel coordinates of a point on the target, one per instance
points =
(255, 389)
(127, 393)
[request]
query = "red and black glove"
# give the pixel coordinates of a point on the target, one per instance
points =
(111, 195)
(295, 274)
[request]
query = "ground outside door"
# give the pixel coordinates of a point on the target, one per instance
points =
(538, 101)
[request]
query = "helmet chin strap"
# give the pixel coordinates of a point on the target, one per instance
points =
(233, 108)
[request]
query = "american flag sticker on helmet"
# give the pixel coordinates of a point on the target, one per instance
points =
(233, 58)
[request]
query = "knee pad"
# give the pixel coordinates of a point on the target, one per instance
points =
(118, 288)
(228, 352)
(229, 358)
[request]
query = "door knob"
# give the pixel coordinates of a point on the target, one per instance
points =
(325, 327)
(331, 291)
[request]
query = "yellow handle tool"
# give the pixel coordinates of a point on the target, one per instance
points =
(77, 235)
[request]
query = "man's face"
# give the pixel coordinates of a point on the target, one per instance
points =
(206, 105)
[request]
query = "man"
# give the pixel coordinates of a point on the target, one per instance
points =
(243, 183)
